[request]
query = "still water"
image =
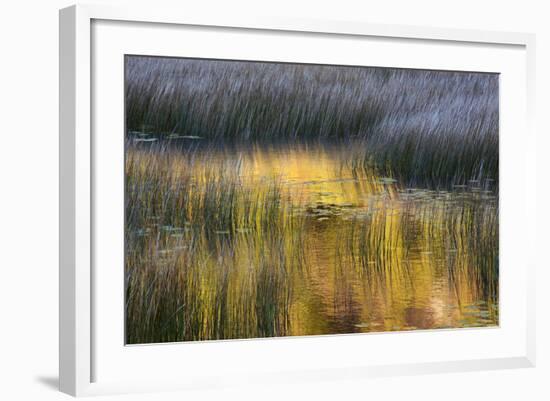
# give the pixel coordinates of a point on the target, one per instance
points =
(269, 240)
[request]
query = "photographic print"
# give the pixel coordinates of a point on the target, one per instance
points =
(269, 199)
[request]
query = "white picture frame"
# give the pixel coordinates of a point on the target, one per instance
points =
(78, 227)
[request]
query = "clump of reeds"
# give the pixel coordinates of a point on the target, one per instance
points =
(206, 257)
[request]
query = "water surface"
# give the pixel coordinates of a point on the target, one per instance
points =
(299, 239)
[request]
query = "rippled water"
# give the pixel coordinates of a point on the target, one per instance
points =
(262, 241)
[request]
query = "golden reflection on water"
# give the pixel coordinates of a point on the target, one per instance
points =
(311, 174)
(311, 245)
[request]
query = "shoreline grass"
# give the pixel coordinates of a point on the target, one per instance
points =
(430, 128)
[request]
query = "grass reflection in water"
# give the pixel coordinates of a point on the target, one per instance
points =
(298, 239)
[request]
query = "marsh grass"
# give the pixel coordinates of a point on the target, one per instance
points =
(272, 199)
(428, 128)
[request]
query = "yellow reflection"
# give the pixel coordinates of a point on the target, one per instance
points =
(289, 240)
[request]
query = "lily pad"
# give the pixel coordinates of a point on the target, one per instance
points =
(145, 139)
